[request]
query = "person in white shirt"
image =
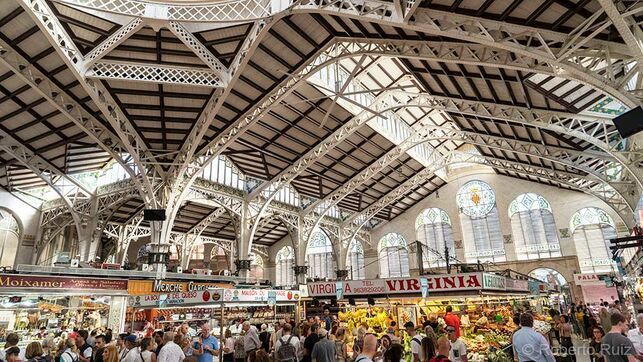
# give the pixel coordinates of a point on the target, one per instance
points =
(416, 342)
(133, 352)
(68, 354)
(171, 352)
(458, 352)
(251, 340)
(636, 335)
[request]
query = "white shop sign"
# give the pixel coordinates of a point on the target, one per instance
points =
(172, 299)
(436, 283)
(517, 285)
(588, 279)
(259, 295)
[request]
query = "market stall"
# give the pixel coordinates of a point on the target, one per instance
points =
(484, 302)
(219, 307)
(29, 303)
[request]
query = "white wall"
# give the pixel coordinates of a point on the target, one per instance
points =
(29, 219)
(564, 204)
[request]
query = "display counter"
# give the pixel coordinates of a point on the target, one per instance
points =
(30, 302)
(484, 302)
(219, 307)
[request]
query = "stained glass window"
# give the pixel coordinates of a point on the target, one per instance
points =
(285, 260)
(592, 228)
(355, 261)
(480, 223)
(433, 229)
(393, 256)
(533, 227)
(475, 199)
(319, 256)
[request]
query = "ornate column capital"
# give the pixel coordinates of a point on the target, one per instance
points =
(242, 264)
(342, 274)
(300, 269)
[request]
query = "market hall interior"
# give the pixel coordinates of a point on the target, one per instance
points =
(186, 167)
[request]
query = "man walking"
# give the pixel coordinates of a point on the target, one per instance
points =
(615, 346)
(324, 349)
(530, 345)
(287, 346)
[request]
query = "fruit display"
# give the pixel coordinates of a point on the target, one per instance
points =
(376, 318)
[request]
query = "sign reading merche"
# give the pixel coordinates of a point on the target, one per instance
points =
(61, 284)
(145, 287)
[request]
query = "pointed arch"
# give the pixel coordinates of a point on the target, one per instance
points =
(592, 228)
(533, 227)
(480, 223)
(320, 257)
(433, 230)
(393, 256)
(284, 263)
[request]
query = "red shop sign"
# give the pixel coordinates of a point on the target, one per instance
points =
(56, 283)
(450, 282)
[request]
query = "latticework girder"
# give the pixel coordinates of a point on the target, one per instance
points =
(46, 20)
(67, 106)
(155, 73)
(112, 41)
(200, 50)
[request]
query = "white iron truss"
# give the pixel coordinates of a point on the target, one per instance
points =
(45, 19)
(154, 73)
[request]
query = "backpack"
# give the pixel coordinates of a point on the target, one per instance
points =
(286, 352)
(71, 356)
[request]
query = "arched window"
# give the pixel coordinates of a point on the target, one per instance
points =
(393, 256)
(219, 259)
(198, 252)
(533, 227)
(591, 229)
(256, 267)
(319, 256)
(355, 261)
(284, 262)
(433, 230)
(9, 238)
(480, 223)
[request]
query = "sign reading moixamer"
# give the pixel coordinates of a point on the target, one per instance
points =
(56, 283)
(436, 283)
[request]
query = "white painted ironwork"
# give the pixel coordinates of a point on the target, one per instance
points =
(113, 41)
(200, 50)
(66, 105)
(234, 11)
(154, 73)
(45, 19)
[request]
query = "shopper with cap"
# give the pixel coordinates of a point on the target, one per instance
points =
(133, 353)
(324, 349)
